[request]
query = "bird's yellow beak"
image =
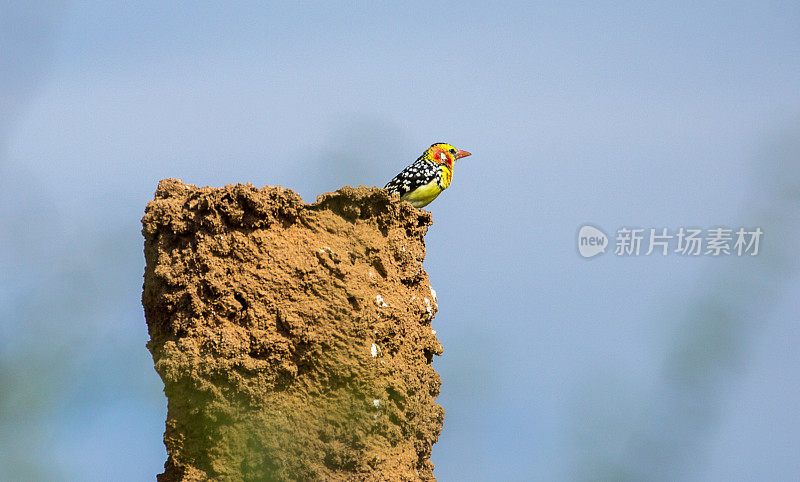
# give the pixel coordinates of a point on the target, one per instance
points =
(461, 154)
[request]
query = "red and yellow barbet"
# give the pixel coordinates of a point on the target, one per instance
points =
(428, 176)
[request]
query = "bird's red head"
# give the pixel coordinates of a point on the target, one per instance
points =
(444, 154)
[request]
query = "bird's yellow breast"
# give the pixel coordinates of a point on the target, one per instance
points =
(447, 176)
(423, 195)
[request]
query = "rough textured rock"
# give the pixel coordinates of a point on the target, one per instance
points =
(294, 340)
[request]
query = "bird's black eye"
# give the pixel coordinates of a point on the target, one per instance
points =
(453, 152)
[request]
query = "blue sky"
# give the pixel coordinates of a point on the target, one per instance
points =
(555, 367)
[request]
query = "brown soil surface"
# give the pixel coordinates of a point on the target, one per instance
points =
(294, 340)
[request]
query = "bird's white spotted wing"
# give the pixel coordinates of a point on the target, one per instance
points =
(418, 174)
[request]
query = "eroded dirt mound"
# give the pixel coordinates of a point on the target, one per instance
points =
(294, 340)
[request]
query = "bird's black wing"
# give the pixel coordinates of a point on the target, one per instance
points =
(418, 174)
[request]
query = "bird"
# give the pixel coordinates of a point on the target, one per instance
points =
(428, 176)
